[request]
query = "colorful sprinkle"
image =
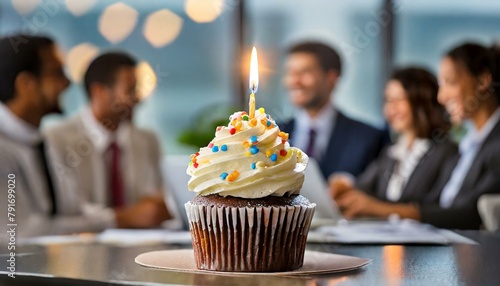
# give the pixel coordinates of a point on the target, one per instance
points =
(219, 128)
(253, 139)
(238, 125)
(283, 152)
(283, 135)
(253, 122)
(245, 117)
(210, 145)
(254, 166)
(223, 175)
(231, 177)
(215, 149)
(269, 153)
(232, 131)
(223, 148)
(274, 157)
(254, 150)
(260, 165)
(246, 144)
(195, 165)
(262, 110)
(268, 123)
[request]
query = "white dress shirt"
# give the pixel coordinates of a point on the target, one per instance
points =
(101, 139)
(17, 129)
(469, 146)
(407, 159)
(323, 124)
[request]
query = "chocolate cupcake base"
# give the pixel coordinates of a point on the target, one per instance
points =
(248, 235)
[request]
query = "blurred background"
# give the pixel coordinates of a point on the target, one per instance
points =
(194, 53)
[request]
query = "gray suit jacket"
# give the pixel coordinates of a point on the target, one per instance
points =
(482, 178)
(78, 161)
(375, 179)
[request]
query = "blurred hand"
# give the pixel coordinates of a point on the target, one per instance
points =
(159, 200)
(356, 203)
(339, 185)
(147, 213)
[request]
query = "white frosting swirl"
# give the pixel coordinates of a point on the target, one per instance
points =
(248, 159)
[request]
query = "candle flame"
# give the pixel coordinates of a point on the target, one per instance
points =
(254, 72)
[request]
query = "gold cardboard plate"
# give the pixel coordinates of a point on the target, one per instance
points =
(182, 260)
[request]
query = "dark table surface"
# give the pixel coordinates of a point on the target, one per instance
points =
(100, 264)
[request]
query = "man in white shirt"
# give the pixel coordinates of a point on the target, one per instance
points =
(32, 202)
(108, 160)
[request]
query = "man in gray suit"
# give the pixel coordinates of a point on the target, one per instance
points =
(110, 162)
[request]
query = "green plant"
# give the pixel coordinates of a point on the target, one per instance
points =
(202, 129)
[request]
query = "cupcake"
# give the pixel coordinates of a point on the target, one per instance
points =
(248, 214)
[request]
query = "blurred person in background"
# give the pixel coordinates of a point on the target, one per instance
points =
(407, 170)
(31, 81)
(337, 142)
(469, 89)
(109, 161)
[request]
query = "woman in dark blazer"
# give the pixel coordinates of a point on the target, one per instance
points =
(406, 171)
(470, 92)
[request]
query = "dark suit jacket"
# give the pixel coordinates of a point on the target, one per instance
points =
(375, 179)
(483, 178)
(352, 145)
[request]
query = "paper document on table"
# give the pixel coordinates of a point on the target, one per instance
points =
(134, 236)
(115, 236)
(385, 232)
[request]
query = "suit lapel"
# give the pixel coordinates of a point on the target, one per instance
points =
(388, 169)
(412, 185)
(336, 143)
(134, 163)
(476, 169)
(94, 171)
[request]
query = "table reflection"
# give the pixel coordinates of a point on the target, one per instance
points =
(391, 265)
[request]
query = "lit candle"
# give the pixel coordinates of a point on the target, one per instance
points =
(253, 81)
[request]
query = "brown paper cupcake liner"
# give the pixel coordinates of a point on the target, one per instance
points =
(249, 239)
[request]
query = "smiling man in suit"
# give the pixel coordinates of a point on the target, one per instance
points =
(109, 161)
(337, 142)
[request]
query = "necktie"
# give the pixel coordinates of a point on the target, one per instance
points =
(310, 144)
(117, 194)
(45, 171)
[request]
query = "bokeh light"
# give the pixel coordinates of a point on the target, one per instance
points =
(146, 80)
(79, 7)
(204, 11)
(162, 27)
(79, 58)
(117, 22)
(24, 7)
